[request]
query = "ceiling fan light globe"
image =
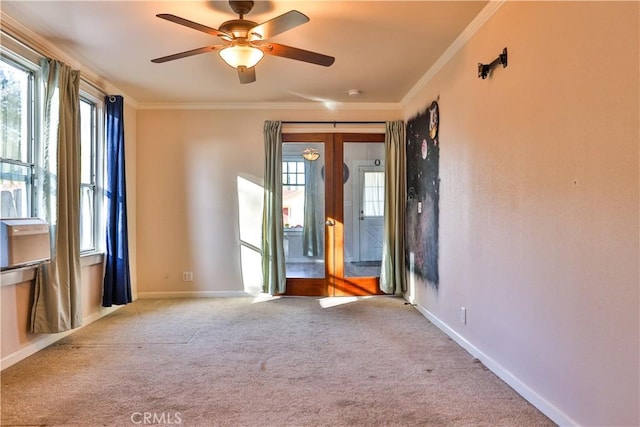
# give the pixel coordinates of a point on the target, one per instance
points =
(241, 56)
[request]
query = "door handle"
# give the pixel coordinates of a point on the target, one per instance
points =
(330, 223)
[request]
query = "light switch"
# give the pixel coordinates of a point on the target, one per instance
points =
(419, 207)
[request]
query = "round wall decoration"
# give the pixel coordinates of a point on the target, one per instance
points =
(434, 120)
(345, 173)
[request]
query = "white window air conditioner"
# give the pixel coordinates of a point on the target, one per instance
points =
(23, 241)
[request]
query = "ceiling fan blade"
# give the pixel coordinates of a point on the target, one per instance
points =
(187, 53)
(297, 54)
(279, 24)
(247, 75)
(194, 25)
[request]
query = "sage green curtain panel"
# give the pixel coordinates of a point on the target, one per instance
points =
(311, 238)
(57, 299)
(273, 263)
(392, 274)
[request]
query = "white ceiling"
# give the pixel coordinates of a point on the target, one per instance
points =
(382, 48)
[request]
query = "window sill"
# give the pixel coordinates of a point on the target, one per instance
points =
(293, 230)
(28, 273)
(91, 258)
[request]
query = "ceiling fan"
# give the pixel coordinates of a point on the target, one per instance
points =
(246, 42)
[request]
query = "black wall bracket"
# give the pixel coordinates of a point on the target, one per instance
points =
(485, 69)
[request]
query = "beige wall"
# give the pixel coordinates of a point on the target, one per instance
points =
(189, 163)
(15, 312)
(539, 204)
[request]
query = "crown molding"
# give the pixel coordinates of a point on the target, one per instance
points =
(39, 46)
(487, 12)
(338, 106)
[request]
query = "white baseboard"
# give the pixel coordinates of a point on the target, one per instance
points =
(45, 340)
(192, 294)
(546, 407)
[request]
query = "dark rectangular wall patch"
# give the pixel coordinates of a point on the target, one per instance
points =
(423, 194)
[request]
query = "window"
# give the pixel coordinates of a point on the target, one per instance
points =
(88, 145)
(23, 171)
(16, 153)
(373, 194)
(292, 194)
(292, 173)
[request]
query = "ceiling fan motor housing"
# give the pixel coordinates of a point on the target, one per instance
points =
(238, 27)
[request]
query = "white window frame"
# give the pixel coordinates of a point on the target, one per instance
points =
(297, 161)
(90, 94)
(33, 127)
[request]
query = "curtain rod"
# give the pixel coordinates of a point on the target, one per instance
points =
(334, 123)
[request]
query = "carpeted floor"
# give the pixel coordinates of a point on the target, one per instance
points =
(238, 362)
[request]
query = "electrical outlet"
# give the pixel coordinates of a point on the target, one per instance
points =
(187, 276)
(463, 315)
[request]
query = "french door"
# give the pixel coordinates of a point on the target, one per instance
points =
(332, 203)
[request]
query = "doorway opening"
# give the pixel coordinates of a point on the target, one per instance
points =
(333, 213)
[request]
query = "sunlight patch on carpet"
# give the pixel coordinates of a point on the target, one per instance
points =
(329, 302)
(263, 298)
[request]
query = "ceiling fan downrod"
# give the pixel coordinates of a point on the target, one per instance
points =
(241, 7)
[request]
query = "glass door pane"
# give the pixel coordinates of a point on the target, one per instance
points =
(363, 179)
(303, 209)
